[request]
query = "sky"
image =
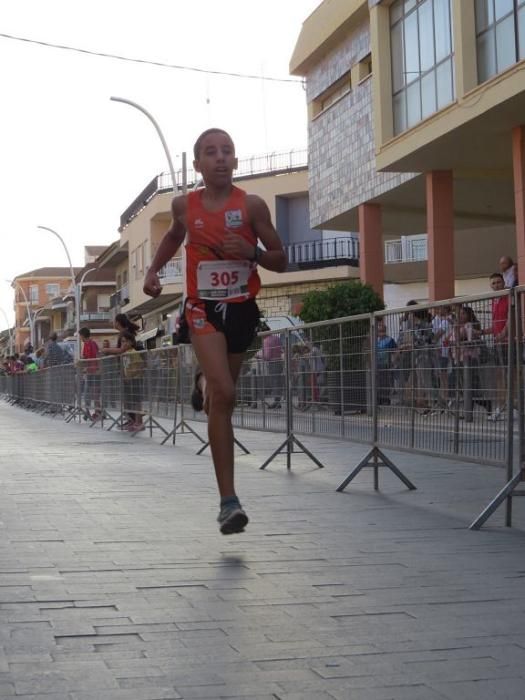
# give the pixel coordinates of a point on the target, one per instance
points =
(74, 161)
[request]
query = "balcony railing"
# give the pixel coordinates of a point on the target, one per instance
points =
(287, 161)
(321, 253)
(172, 271)
(406, 249)
(119, 298)
(324, 252)
(95, 315)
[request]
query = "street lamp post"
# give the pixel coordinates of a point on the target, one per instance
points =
(37, 313)
(162, 140)
(28, 310)
(78, 298)
(73, 283)
(184, 184)
(8, 330)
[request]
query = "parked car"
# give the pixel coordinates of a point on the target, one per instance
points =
(277, 323)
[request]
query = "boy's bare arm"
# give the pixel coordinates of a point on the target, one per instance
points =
(169, 245)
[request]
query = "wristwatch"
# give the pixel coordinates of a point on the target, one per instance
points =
(256, 254)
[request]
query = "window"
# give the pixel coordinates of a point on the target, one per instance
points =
(33, 293)
(422, 59)
(102, 302)
(52, 290)
(365, 67)
(500, 35)
(337, 90)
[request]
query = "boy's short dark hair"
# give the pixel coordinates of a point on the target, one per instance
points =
(84, 332)
(198, 142)
(496, 274)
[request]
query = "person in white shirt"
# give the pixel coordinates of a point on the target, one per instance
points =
(442, 326)
(509, 271)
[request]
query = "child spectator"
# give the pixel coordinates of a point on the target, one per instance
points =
(90, 367)
(132, 371)
(442, 328)
(385, 345)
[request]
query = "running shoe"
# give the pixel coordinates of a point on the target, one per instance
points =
(197, 399)
(232, 519)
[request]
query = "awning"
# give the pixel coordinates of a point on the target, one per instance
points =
(146, 335)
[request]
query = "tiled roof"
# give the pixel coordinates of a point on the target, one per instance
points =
(49, 272)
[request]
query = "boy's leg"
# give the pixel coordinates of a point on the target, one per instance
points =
(220, 371)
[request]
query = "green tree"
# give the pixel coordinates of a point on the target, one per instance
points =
(346, 369)
(339, 300)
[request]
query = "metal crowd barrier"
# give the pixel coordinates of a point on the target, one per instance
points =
(431, 379)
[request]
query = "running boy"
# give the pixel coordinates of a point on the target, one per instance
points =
(223, 226)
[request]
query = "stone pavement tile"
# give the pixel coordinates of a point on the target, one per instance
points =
(6, 689)
(46, 696)
(250, 697)
(305, 696)
(220, 691)
(177, 651)
(124, 694)
(144, 682)
(307, 662)
(402, 692)
(81, 676)
(500, 689)
(106, 654)
(131, 668)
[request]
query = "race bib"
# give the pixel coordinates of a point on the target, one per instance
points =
(223, 279)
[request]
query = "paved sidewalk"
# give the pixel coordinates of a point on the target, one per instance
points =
(115, 583)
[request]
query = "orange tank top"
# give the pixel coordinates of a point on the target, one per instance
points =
(209, 274)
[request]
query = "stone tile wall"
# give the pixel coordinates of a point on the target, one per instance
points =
(275, 301)
(342, 172)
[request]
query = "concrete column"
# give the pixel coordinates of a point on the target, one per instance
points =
(440, 230)
(518, 161)
(371, 246)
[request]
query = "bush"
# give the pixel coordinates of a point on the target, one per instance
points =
(341, 299)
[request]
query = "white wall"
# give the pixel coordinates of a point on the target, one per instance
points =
(397, 295)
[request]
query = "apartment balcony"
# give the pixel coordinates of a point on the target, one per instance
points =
(274, 163)
(95, 316)
(57, 303)
(172, 272)
(407, 249)
(343, 250)
(301, 256)
(119, 298)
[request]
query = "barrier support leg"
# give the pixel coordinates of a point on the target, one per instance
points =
(237, 442)
(376, 458)
(184, 427)
(506, 493)
(289, 443)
